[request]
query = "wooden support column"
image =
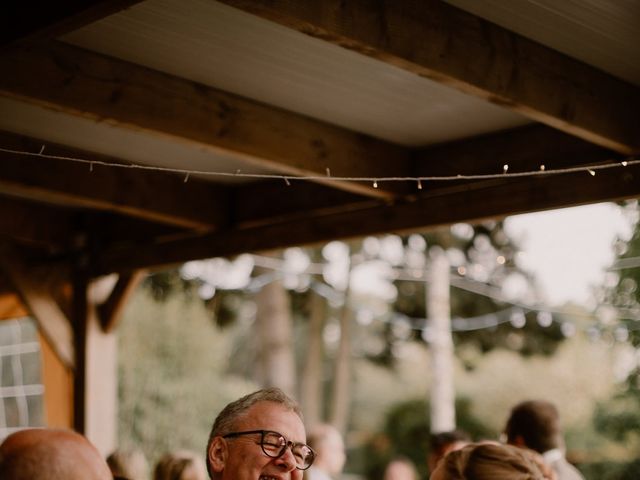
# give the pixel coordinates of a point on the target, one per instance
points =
(101, 384)
(96, 382)
(79, 316)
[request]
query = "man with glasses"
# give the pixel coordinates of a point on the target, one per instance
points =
(260, 436)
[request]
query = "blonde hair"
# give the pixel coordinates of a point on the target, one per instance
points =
(179, 465)
(489, 461)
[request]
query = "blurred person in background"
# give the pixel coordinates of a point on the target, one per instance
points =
(400, 468)
(444, 442)
(180, 465)
(48, 454)
(326, 441)
(535, 424)
(129, 464)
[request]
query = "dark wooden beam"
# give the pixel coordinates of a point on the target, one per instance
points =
(34, 224)
(274, 201)
(438, 41)
(475, 201)
(149, 195)
(36, 19)
(80, 319)
(523, 149)
(102, 89)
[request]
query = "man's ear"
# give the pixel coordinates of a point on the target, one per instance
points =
(519, 441)
(218, 453)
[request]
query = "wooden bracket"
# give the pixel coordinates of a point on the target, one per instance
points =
(110, 312)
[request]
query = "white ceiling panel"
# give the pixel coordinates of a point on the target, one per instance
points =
(254, 58)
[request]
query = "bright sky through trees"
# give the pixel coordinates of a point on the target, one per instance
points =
(569, 250)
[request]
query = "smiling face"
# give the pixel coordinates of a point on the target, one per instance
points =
(242, 458)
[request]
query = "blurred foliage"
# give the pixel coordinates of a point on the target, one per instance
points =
(172, 362)
(611, 470)
(619, 418)
(406, 432)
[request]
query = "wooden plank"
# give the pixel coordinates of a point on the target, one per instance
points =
(274, 201)
(523, 149)
(80, 321)
(35, 224)
(472, 202)
(92, 86)
(29, 19)
(438, 41)
(110, 312)
(52, 321)
(150, 195)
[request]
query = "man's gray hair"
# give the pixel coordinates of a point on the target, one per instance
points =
(226, 420)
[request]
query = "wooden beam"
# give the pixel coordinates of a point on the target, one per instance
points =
(475, 201)
(523, 149)
(29, 19)
(110, 312)
(34, 224)
(273, 201)
(80, 321)
(38, 298)
(102, 89)
(438, 41)
(150, 195)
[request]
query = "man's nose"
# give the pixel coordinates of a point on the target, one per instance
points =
(287, 459)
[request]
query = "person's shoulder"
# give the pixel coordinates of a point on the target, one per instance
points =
(566, 471)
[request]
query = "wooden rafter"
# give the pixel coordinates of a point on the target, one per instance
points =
(110, 311)
(523, 149)
(433, 39)
(34, 224)
(28, 19)
(471, 202)
(95, 87)
(148, 195)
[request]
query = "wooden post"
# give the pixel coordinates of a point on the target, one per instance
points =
(443, 415)
(79, 316)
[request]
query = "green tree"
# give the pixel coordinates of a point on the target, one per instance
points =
(619, 418)
(172, 362)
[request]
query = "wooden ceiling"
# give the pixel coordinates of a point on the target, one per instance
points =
(483, 95)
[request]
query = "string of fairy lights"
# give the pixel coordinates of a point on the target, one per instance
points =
(515, 314)
(375, 181)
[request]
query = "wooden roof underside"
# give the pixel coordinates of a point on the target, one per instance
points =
(59, 90)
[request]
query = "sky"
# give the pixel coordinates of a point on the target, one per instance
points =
(570, 249)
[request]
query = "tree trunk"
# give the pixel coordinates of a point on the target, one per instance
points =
(311, 389)
(342, 379)
(443, 415)
(275, 363)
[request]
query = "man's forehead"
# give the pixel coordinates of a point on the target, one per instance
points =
(271, 415)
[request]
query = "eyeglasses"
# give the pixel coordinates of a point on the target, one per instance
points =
(274, 445)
